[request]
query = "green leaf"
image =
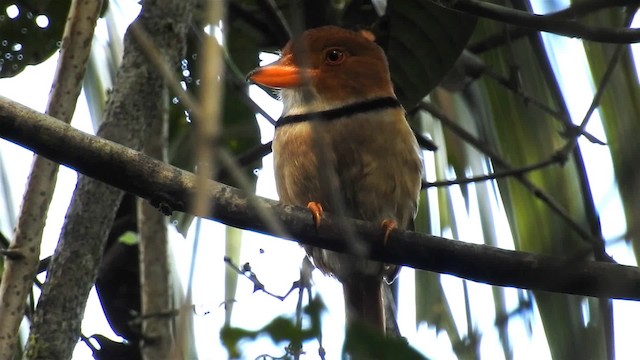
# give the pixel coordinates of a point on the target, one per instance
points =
(280, 329)
(422, 45)
(129, 238)
(432, 306)
(522, 134)
(619, 111)
(32, 35)
(362, 341)
(419, 39)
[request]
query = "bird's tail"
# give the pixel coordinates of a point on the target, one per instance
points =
(363, 301)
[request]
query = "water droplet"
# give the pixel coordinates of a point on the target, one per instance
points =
(42, 21)
(12, 11)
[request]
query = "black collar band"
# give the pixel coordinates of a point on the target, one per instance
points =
(380, 103)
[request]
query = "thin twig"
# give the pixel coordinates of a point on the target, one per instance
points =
(523, 306)
(240, 177)
(606, 305)
(518, 91)
(254, 154)
(86, 341)
(189, 102)
(246, 271)
(574, 11)
(423, 141)
(597, 97)
(544, 108)
(296, 347)
(238, 82)
(582, 8)
(498, 161)
(542, 22)
(168, 74)
(208, 125)
(237, 11)
(495, 175)
(273, 10)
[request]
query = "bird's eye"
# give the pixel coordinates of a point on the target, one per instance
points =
(334, 56)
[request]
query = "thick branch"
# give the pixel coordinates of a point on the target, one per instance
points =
(544, 23)
(171, 189)
(138, 99)
(155, 271)
(16, 279)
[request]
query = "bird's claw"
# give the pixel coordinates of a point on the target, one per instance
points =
(387, 226)
(316, 212)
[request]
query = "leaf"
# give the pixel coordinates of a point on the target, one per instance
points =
(422, 45)
(432, 305)
(522, 134)
(129, 238)
(31, 32)
(619, 111)
(420, 42)
(361, 341)
(280, 329)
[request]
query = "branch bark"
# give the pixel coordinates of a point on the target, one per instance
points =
(155, 270)
(171, 189)
(25, 245)
(137, 100)
(544, 23)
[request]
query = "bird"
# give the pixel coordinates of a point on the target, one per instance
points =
(343, 145)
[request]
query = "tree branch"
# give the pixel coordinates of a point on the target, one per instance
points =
(27, 236)
(542, 22)
(171, 189)
(576, 10)
(139, 98)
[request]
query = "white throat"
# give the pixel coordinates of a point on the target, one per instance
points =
(298, 102)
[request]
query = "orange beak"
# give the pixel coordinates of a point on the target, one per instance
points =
(281, 74)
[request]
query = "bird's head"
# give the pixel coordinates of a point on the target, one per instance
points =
(325, 68)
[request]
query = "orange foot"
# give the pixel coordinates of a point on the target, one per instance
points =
(316, 212)
(387, 226)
